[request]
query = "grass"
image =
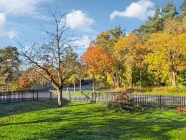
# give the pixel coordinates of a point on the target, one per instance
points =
(80, 121)
(77, 93)
(164, 93)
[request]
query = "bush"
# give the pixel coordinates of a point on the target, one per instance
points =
(122, 101)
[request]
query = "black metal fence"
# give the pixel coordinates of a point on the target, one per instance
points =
(147, 100)
(158, 100)
(94, 97)
(20, 96)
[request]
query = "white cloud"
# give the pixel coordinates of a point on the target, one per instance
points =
(80, 21)
(20, 7)
(140, 10)
(10, 34)
(83, 42)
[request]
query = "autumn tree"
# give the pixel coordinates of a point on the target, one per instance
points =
(51, 56)
(97, 61)
(167, 54)
(107, 40)
(131, 50)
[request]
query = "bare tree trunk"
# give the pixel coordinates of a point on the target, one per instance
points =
(173, 78)
(60, 91)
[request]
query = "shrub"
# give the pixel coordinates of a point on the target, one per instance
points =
(123, 101)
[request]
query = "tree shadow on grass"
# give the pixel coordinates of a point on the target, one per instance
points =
(116, 128)
(91, 125)
(27, 106)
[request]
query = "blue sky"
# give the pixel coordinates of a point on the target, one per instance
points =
(86, 18)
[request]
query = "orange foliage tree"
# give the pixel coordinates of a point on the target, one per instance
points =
(97, 61)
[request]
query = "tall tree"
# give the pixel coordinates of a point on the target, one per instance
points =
(156, 22)
(51, 57)
(97, 61)
(167, 54)
(131, 51)
(183, 9)
(107, 40)
(9, 64)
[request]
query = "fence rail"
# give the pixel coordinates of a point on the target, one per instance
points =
(20, 96)
(158, 100)
(147, 100)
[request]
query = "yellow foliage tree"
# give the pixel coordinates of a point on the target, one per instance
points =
(167, 54)
(132, 51)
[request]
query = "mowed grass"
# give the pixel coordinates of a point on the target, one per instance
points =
(77, 93)
(81, 121)
(164, 93)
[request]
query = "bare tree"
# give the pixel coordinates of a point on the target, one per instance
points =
(50, 57)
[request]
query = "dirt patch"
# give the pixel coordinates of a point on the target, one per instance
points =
(181, 111)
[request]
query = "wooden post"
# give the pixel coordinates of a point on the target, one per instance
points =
(69, 94)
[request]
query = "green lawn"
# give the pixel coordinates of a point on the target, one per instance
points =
(77, 93)
(164, 93)
(80, 121)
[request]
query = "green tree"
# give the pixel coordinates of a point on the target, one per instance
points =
(9, 65)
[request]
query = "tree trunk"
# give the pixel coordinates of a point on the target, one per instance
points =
(118, 83)
(60, 97)
(131, 82)
(173, 78)
(80, 84)
(74, 87)
(140, 79)
(114, 81)
(93, 86)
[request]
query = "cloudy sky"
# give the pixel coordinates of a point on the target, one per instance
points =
(86, 18)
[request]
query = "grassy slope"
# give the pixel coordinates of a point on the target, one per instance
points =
(43, 120)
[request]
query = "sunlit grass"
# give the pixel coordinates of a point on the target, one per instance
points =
(44, 120)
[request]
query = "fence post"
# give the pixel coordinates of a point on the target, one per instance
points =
(33, 95)
(22, 96)
(160, 101)
(50, 96)
(69, 95)
(3, 96)
(92, 96)
(37, 94)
